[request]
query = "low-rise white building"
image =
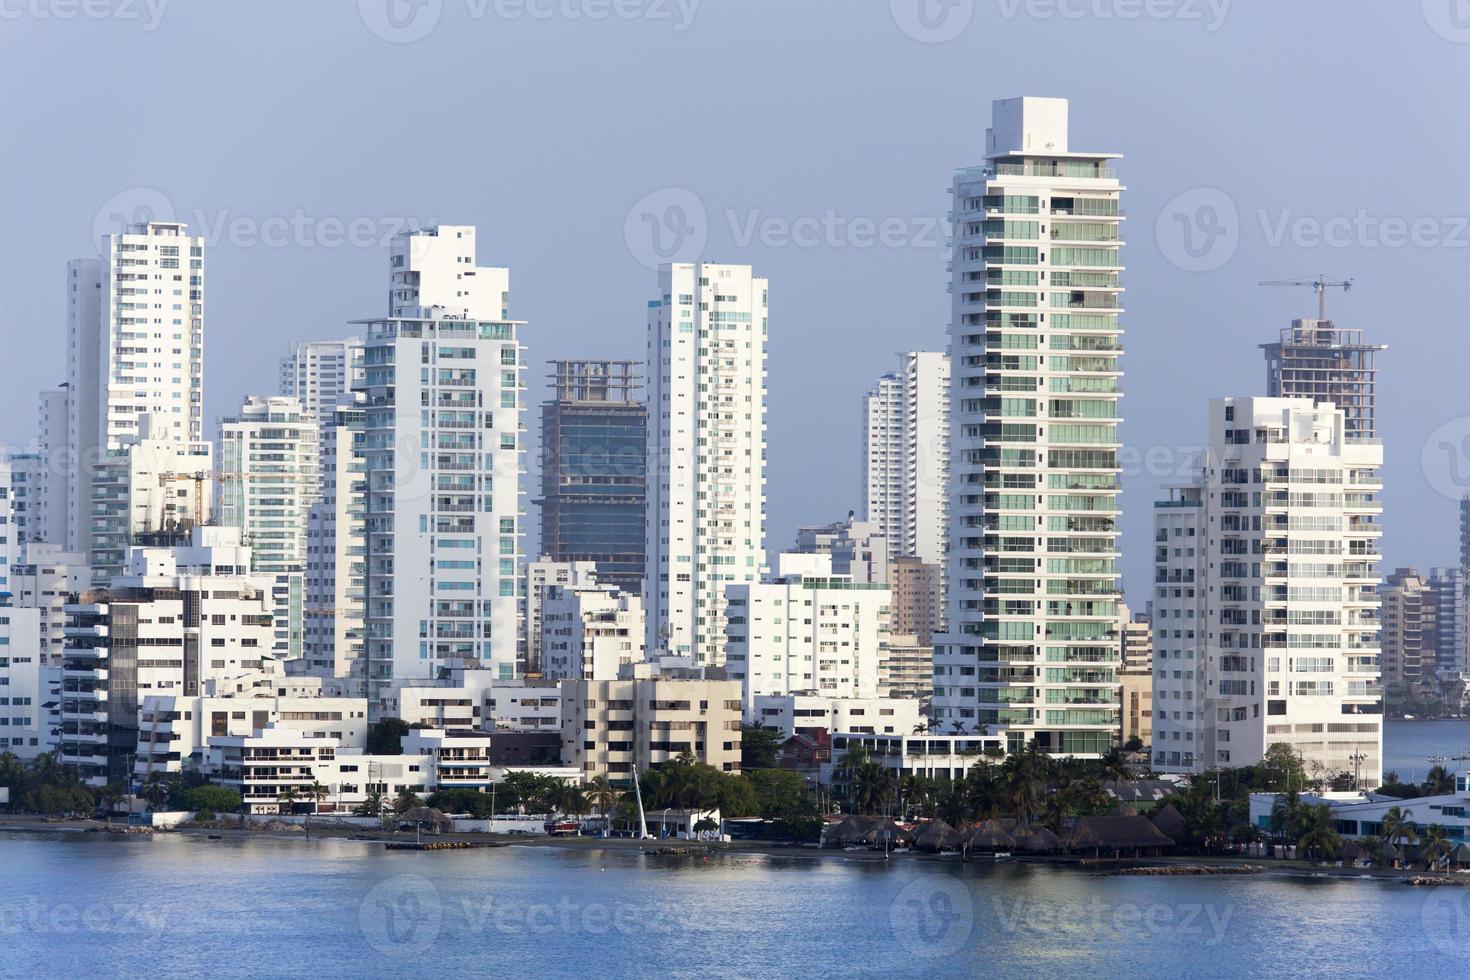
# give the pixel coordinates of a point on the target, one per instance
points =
(525, 704)
(929, 755)
(589, 633)
(807, 631)
(799, 713)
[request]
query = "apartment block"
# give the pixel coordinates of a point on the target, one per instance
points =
(608, 727)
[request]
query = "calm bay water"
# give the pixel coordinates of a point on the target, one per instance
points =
(81, 905)
(1408, 745)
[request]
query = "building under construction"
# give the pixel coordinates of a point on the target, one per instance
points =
(1314, 359)
(594, 469)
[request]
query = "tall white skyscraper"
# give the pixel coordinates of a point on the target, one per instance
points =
(443, 449)
(906, 456)
(268, 460)
(1266, 604)
(707, 442)
(53, 444)
(336, 563)
(135, 348)
(1031, 649)
(317, 373)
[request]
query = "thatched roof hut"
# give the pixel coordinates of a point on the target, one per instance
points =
(429, 817)
(936, 835)
(1037, 840)
(848, 830)
(1461, 854)
(1170, 822)
(1351, 851)
(1116, 834)
(988, 836)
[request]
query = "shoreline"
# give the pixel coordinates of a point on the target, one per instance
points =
(1194, 866)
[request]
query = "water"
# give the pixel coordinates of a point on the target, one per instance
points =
(83, 905)
(1407, 746)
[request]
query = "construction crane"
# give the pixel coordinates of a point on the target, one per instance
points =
(1321, 284)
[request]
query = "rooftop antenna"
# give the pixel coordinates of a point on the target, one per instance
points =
(1321, 284)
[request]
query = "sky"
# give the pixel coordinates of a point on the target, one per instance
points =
(812, 139)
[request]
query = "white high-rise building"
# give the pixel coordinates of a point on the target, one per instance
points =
(27, 681)
(135, 349)
(269, 481)
(1266, 604)
(27, 476)
(707, 441)
(807, 631)
(590, 633)
(317, 373)
(1031, 650)
(906, 456)
(542, 576)
(199, 613)
(149, 482)
(53, 443)
(336, 563)
(443, 448)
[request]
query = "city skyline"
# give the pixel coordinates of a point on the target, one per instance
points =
(1215, 316)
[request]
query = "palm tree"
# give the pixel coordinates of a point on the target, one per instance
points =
(286, 799)
(1114, 766)
(1433, 845)
(1398, 828)
(872, 787)
(1439, 782)
(1318, 838)
(316, 792)
(1373, 844)
(1021, 777)
(155, 790)
(603, 795)
(1286, 815)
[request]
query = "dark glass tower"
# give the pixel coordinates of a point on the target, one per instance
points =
(594, 469)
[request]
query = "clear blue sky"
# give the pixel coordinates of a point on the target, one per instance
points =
(544, 124)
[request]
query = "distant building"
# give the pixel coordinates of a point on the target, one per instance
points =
(594, 470)
(1410, 632)
(906, 456)
(808, 714)
(857, 548)
(1317, 360)
(906, 668)
(318, 373)
(608, 727)
(918, 597)
(1136, 676)
(590, 633)
(541, 576)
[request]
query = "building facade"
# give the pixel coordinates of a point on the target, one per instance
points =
(590, 633)
(336, 559)
(1031, 649)
(1283, 643)
(608, 727)
(1317, 360)
(318, 373)
(443, 453)
(594, 470)
(906, 446)
(707, 444)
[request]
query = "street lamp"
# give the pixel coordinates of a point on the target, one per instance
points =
(1357, 758)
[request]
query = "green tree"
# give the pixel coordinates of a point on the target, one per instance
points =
(760, 747)
(1439, 782)
(1317, 837)
(1434, 845)
(603, 795)
(371, 805)
(385, 736)
(1283, 769)
(286, 799)
(1397, 829)
(219, 799)
(406, 800)
(462, 800)
(316, 792)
